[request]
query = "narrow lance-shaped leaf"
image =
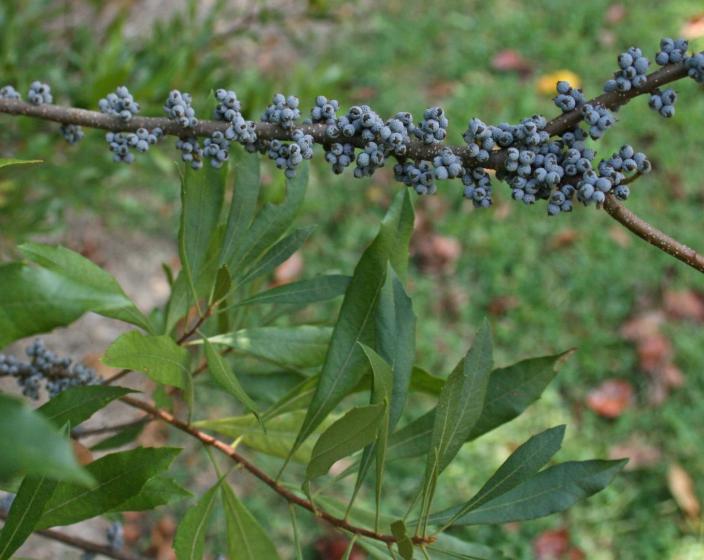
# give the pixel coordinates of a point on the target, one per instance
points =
(459, 407)
(158, 491)
(27, 508)
(277, 254)
(510, 391)
(244, 202)
(270, 223)
(550, 491)
(76, 404)
(246, 538)
(104, 293)
(345, 363)
(295, 348)
(189, 540)
(201, 203)
(158, 356)
(357, 428)
(33, 446)
(118, 476)
(226, 378)
(4, 162)
(523, 464)
(316, 289)
(381, 394)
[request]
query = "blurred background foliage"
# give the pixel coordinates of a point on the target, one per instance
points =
(635, 385)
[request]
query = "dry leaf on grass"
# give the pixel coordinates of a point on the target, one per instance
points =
(694, 27)
(611, 398)
(639, 453)
(681, 487)
(684, 304)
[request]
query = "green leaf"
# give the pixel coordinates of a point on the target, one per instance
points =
(425, 382)
(357, 428)
(398, 228)
(157, 491)
(345, 363)
(32, 445)
(448, 547)
(101, 291)
(189, 540)
(246, 538)
(27, 508)
(158, 356)
(4, 162)
(294, 348)
(118, 476)
(202, 194)
(76, 404)
(381, 394)
(222, 285)
(512, 389)
(278, 253)
(403, 541)
(550, 491)
(244, 203)
(123, 437)
(459, 407)
(278, 438)
(523, 464)
(316, 289)
(271, 223)
(396, 334)
(226, 378)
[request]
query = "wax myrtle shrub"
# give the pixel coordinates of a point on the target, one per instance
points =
(349, 386)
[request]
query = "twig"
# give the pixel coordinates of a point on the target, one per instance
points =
(653, 235)
(266, 131)
(83, 544)
(261, 475)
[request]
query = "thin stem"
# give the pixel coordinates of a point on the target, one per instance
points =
(83, 544)
(290, 496)
(653, 235)
(417, 150)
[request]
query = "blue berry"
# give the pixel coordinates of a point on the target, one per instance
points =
(8, 92)
(283, 111)
(119, 104)
(433, 127)
(39, 93)
(599, 118)
(288, 156)
(568, 98)
(339, 156)
(369, 160)
(477, 187)
(178, 107)
(217, 148)
(663, 102)
(417, 175)
(671, 51)
(115, 535)
(695, 67)
(632, 73)
(447, 165)
(72, 133)
(191, 152)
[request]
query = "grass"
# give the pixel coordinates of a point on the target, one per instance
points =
(406, 56)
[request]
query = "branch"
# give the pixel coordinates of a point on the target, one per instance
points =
(653, 235)
(261, 475)
(417, 150)
(88, 546)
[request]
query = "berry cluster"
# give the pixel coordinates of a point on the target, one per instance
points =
(217, 148)
(119, 104)
(8, 92)
(671, 51)
(418, 175)
(283, 111)
(115, 536)
(339, 156)
(632, 74)
(599, 118)
(72, 133)
(447, 165)
(369, 160)
(191, 152)
(46, 367)
(39, 93)
(568, 98)
(324, 111)
(178, 107)
(240, 130)
(288, 156)
(477, 187)
(695, 67)
(663, 102)
(121, 143)
(433, 127)
(611, 175)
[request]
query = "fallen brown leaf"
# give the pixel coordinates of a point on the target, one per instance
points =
(682, 489)
(640, 454)
(684, 304)
(552, 544)
(509, 60)
(611, 398)
(615, 13)
(694, 27)
(654, 352)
